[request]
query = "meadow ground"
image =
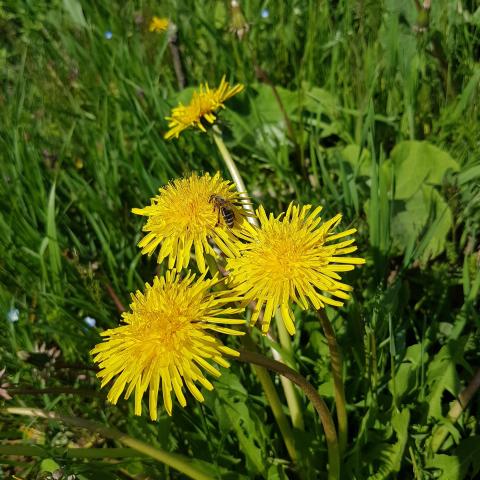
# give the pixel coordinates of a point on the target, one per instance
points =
(370, 109)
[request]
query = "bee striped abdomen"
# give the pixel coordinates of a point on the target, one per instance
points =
(228, 216)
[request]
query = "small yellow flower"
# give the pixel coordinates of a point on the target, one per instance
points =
(158, 24)
(291, 259)
(165, 343)
(202, 106)
(185, 215)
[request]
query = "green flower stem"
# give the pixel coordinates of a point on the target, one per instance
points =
(313, 396)
(336, 361)
(34, 451)
(262, 374)
(290, 392)
(457, 408)
(178, 462)
(232, 168)
(268, 388)
(81, 392)
(274, 401)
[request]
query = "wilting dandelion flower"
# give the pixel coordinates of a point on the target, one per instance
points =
(186, 214)
(291, 258)
(238, 24)
(158, 24)
(204, 103)
(166, 342)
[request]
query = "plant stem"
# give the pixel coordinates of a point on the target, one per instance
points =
(457, 408)
(232, 168)
(34, 451)
(268, 388)
(176, 59)
(178, 462)
(114, 297)
(336, 362)
(55, 391)
(290, 392)
(274, 401)
(313, 396)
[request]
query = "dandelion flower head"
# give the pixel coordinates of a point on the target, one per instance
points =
(184, 215)
(158, 24)
(203, 105)
(292, 259)
(166, 342)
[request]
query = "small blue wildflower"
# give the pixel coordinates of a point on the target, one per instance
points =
(108, 34)
(13, 315)
(265, 13)
(90, 322)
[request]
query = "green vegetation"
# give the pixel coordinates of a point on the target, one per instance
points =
(368, 108)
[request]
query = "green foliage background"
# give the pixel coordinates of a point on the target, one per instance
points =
(383, 102)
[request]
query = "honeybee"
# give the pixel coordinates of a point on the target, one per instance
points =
(224, 208)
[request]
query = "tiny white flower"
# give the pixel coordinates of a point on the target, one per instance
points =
(90, 322)
(13, 315)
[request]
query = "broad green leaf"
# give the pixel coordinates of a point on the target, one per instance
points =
(359, 159)
(442, 375)
(268, 107)
(390, 456)
(417, 163)
(237, 415)
(441, 221)
(234, 414)
(448, 465)
(320, 100)
(49, 465)
(407, 375)
(426, 219)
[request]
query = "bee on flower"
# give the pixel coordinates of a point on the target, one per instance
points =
(189, 212)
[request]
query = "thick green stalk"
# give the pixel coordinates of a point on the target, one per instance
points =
(34, 451)
(312, 394)
(336, 362)
(274, 401)
(232, 168)
(178, 462)
(290, 392)
(262, 374)
(268, 388)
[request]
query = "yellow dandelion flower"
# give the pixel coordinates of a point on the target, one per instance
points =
(186, 214)
(202, 106)
(291, 258)
(165, 343)
(158, 24)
